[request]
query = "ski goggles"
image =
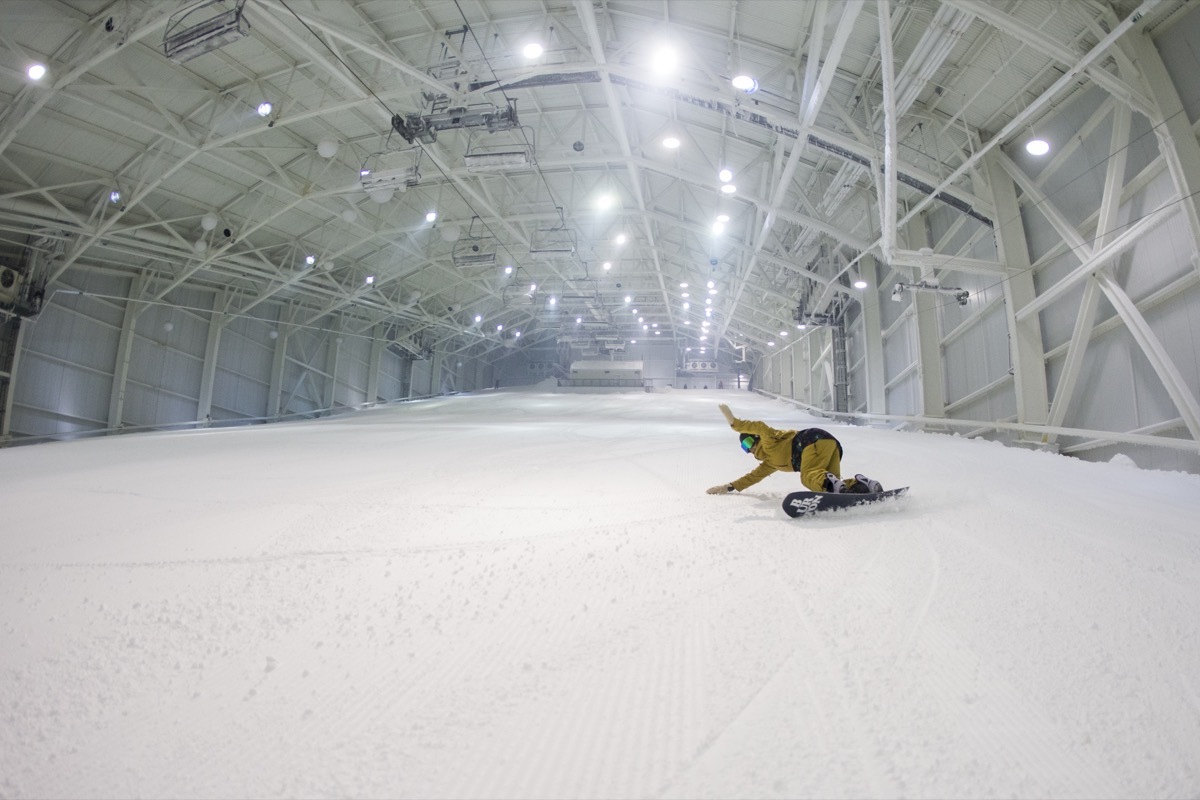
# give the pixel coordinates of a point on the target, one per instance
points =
(748, 441)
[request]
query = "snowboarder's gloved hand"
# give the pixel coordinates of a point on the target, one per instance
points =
(727, 413)
(724, 488)
(834, 484)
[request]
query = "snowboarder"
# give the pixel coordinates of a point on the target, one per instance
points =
(812, 452)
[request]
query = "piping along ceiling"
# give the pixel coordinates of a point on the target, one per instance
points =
(541, 164)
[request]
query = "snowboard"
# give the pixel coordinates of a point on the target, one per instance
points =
(803, 504)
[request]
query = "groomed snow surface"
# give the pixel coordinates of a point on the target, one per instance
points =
(529, 594)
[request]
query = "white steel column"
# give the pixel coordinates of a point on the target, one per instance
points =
(887, 200)
(378, 345)
(1085, 320)
(1168, 373)
(216, 323)
(332, 354)
(133, 309)
(278, 363)
(1025, 334)
(873, 337)
(6, 420)
(1176, 139)
(929, 335)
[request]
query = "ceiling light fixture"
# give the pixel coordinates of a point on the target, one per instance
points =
(1037, 147)
(664, 61)
(728, 188)
(431, 216)
(671, 143)
(725, 175)
(533, 50)
(265, 109)
(36, 72)
(745, 83)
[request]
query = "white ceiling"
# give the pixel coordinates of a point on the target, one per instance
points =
(183, 140)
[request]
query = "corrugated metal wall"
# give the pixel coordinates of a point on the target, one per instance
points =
(94, 361)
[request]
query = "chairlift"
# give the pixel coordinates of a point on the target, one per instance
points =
(499, 151)
(474, 251)
(202, 27)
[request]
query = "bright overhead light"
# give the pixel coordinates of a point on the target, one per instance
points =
(859, 283)
(264, 109)
(745, 83)
(621, 239)
(533, 50)
(722, 218)
(725, 175)
(728, 188)
(310, 260)
(370, 279)
(604, 202)
(1037, 147)
(114, 196)
(664, 61)
(718, 228)
(608, 265)
(671, 143)
(431, 216)
(36, 72)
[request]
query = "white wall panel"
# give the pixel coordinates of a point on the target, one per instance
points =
(393, 371)
(66, 368)
(243, 382)
(1182, 60)
(304, 379)
(353, 369)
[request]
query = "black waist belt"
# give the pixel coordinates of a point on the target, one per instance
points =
(808, 436)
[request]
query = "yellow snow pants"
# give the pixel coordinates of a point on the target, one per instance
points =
(815, 460)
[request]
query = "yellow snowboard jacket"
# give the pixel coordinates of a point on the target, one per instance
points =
(773, 451)
(776, 450)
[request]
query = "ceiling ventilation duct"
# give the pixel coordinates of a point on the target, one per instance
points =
(203, 27)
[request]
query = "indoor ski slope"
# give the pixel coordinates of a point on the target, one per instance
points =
(529, 594)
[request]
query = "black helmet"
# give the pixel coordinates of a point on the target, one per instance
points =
(747, 441)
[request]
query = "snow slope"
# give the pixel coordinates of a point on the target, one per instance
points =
(528, 594)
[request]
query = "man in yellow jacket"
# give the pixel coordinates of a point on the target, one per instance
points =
(812, 452)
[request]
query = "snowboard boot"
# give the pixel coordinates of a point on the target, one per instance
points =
(864, 485)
